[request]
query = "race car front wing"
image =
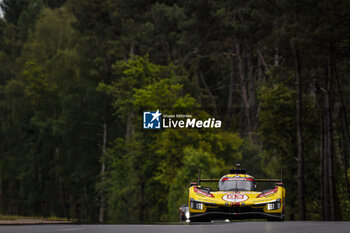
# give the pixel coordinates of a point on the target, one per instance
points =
(237, 212)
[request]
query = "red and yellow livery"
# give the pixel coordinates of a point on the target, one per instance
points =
(236, 198)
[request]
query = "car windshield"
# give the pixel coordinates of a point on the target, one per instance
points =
(236, 185)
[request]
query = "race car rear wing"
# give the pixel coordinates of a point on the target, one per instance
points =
(257, 180)
(280, 181)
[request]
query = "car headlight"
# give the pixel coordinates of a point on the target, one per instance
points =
(274, 205)
(196, 205)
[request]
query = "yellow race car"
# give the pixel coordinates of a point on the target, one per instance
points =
(237, 198)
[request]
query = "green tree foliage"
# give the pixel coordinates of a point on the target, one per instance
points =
(277, 132)
(153, 159)
(193, 160)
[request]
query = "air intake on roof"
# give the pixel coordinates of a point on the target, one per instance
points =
(238, 170)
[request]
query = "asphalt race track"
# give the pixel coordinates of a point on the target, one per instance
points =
(239, 227)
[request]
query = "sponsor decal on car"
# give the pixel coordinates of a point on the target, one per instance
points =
(196, 190)
(270, 193)
(237, 179)
(235, 197)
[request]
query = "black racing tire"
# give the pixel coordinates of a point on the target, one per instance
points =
(280, 218)
(182, 218)
(199, 219)
(283, 215)
(275, 219)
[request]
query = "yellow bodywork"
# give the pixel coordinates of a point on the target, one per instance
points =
(251, 199)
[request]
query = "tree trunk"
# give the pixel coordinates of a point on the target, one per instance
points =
(276, 57)
(141, 201)
(60, 186)
(276, 42)
(212, 97)
(1, 200)
(322, 152)
(103, 170)
(252, 93)
(132, 49)
(332, 197)
(344, 163)
(243, 85)
(231, 87)
(345, 131)
(262, 60)
(300, 138)
(260, 71)
(129, 127)
(326, 204)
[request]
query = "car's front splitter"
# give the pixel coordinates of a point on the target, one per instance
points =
(234, 216)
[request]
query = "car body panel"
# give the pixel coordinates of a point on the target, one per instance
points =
(236, 204)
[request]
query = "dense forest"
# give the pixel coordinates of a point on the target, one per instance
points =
(76, 75)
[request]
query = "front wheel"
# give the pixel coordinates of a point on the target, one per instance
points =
(278, 218)
(199, 219)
